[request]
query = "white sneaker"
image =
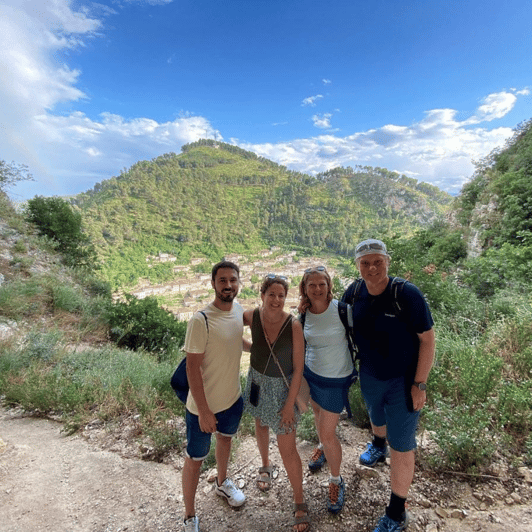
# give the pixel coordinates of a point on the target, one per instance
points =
(230, 492)
(191, 524)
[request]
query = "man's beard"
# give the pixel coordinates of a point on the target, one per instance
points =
(226, 296)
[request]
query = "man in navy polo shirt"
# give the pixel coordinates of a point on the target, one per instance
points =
(396, 351)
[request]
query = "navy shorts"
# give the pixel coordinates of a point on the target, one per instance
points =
(227, 421)
(328, 393)
(387, 404)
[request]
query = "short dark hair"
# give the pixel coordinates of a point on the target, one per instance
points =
(224, 264)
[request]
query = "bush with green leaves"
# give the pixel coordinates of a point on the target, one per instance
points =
(499, 268)
(55, 219)
(106, 384)
(143, 324)
(358, 407)
(464, 434)
(306, 428)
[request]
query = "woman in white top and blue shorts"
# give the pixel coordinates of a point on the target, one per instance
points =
(329, 373)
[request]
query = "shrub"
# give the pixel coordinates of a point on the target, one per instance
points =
(68, 298)
(306, 428)
(514, 407)
(528, 450)
(463, 433)
(142, 323)
(56, 220)
(358, 407)
(505, 267)
(40, 346)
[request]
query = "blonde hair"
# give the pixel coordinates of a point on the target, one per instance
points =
(304, 301)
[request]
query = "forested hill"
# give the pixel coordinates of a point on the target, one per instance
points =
(495, 207)
(215, 198)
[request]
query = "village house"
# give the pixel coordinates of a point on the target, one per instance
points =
(183, 314)
(198, 293)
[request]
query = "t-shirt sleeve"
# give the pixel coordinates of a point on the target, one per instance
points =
(196, 337)
(419, 309)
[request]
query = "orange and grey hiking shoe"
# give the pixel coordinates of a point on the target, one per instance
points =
(317, 459)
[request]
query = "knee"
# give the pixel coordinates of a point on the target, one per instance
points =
(192, 465)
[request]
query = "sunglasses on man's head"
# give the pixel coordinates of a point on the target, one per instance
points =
(368, 247)
(275, 276)
(316, 269)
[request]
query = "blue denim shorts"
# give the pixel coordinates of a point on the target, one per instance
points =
(328, 393)
(387, 404)
(199, 442)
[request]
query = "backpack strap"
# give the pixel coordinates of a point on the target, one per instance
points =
(353, 291)
(206, 320)
(302, 318)
(343, 312)
(347, 322)
(396, 289)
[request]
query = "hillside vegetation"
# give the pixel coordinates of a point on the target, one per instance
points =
(215, 199)
(55, 357)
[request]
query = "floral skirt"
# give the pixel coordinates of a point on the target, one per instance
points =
(272, 398)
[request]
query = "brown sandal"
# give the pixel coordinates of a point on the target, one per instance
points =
(302, 519)
(267, 481)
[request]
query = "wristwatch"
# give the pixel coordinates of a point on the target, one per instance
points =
(421, 385)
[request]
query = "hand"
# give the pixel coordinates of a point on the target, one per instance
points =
(287, 418)
(207, 422)
(419, 398)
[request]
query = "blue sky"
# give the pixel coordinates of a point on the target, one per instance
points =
(419, 87)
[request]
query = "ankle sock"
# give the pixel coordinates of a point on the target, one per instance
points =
(379, 442)
(335, 480)
(396, 508)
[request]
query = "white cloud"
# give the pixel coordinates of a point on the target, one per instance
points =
(311, 100)
(323, 121)
(68, 153)
(103, 147)
(438, 149)
(494, 106)
(326, 81)
(64, 149)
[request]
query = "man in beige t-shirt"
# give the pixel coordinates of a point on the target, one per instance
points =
(213, 344)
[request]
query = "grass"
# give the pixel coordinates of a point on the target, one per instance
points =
(43, 376)
(480, 390)
(480, 400)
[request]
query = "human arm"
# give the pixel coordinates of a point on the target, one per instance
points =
(248, 317)
(248, 320)
(427, 346)
(207, 419)
(298, 361)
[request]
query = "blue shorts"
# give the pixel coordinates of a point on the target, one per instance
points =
(387, 404)
(328, 393)
(199, 442)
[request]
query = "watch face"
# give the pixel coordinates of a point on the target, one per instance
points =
(422, 386)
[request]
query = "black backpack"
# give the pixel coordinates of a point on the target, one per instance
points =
(352, 293)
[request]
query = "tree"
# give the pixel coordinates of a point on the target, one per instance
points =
(11, 173)
(55, 219)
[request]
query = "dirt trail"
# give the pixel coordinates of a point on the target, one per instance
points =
(56, 483)
(51, 482)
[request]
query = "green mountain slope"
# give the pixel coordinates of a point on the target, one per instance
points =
(496, 205)
(215, 198)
